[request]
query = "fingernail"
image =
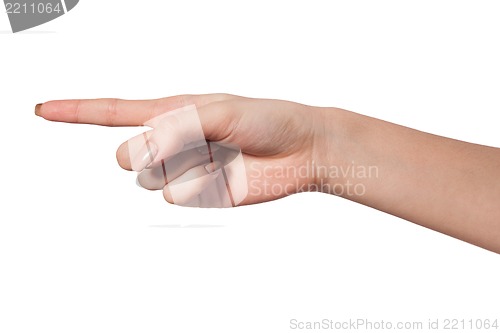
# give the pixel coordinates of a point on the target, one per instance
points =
(212, 167)
(145, 156)
(38, 108)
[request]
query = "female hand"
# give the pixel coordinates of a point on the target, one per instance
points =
(276, 139)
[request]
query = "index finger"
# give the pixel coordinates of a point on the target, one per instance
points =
(117, 112)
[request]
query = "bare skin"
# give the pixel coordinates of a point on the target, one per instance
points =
(443, 184)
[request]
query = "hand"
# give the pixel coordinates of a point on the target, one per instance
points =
(275, 137)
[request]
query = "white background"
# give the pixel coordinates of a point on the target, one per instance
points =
(83, 249)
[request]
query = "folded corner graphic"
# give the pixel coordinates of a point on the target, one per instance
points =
(26, 14)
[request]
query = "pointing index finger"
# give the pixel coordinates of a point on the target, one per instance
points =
(118, 112)
(106, 112)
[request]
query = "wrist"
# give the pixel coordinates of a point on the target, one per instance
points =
(331, 162)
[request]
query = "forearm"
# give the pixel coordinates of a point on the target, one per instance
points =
(443, 184)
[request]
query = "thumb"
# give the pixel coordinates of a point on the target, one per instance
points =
(177, 131)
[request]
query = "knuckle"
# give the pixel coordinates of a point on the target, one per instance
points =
(112, 113)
